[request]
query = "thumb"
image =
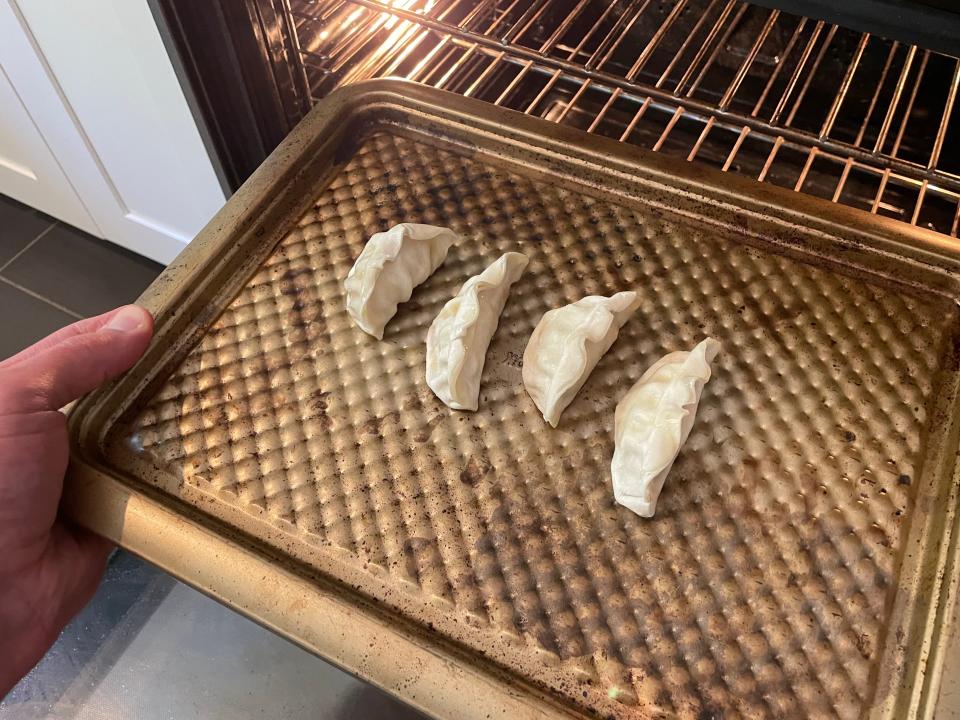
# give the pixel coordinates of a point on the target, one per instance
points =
(76, 365)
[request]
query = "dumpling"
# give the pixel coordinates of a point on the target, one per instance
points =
(653, 421)
(391, 265)
(458, 338)
(567, 344)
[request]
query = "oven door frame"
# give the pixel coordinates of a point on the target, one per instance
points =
(235, 60)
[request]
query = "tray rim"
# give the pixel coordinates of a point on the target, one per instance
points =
(130, 514)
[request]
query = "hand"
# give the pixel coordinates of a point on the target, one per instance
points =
(49, 569)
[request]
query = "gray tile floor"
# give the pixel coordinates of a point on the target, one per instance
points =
(52, 275)
(146, 646)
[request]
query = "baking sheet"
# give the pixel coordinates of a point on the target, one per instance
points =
(275, 456)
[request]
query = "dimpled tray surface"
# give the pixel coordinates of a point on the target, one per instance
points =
(786, 572)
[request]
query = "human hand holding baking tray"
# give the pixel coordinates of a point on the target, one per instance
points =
(49, 569)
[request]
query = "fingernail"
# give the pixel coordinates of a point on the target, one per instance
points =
(126, 320)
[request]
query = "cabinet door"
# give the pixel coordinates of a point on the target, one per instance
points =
(105, 98)
(28, 171)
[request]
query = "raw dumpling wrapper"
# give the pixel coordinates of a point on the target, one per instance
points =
(567, 344)
(652, 422)
(458, 338)
(391, 265)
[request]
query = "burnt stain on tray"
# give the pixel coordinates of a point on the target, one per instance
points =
(475, 471)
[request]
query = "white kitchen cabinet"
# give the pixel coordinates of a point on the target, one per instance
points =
(94, 127)
(28, 170)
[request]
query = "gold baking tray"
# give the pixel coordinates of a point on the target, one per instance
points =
(802, 560)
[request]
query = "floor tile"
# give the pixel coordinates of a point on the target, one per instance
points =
(19, 225)
(127, 597)
(82, 273)
(187, 657)
(25, 320)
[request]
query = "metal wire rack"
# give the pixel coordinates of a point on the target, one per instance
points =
(803, 104)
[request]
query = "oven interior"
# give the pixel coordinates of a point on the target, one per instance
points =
(798, 102)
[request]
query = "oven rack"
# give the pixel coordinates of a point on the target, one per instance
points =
(804, 104)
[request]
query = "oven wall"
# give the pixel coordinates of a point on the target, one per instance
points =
(931, 24)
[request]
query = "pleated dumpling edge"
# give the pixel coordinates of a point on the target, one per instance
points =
(653, 421)
(459, 336)
(567, 344)
(389, 267)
